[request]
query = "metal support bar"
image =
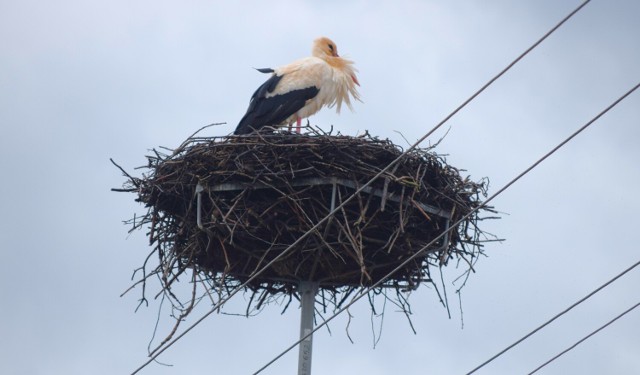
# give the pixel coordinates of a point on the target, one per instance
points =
(314, 181)
(307, 291)
(333, 197)
(199, 190)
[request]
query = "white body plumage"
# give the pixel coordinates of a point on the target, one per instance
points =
(301, 88)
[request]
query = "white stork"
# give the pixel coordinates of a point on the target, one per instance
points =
(298, 90)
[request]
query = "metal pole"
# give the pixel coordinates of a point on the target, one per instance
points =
(307, 291)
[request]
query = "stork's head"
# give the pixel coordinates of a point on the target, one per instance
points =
(323, 47)
(327, 50)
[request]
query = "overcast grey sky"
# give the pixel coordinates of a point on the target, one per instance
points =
(82, 81)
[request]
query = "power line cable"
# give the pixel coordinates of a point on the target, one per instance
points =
(159, 351)
(585, 338)
(423, 249)
(556, 316)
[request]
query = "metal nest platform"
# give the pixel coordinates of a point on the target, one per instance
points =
(221, 208)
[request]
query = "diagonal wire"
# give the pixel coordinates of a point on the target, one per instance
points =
(586, 337)
(351, 197)
(556, 316)
(483, 204)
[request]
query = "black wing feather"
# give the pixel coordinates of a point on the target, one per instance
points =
(274, 110)
(264, 70)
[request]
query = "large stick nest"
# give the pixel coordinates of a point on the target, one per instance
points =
(260, 193)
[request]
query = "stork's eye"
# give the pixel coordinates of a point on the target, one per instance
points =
(331, 47)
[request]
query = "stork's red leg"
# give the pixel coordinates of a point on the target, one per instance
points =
(298, 125)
